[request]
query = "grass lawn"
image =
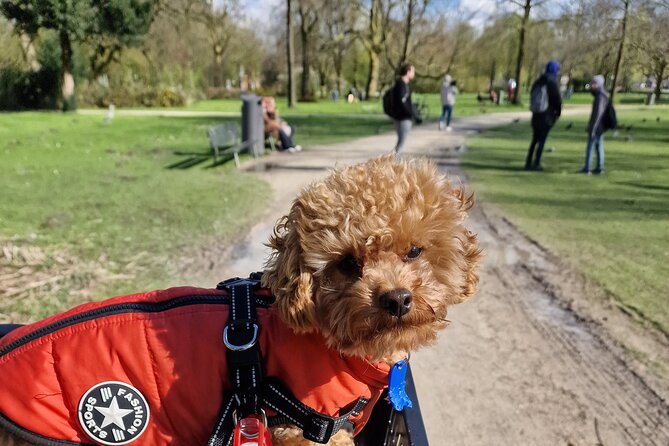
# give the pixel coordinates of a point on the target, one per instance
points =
(466, 105)
(614, 227)
(89, 206)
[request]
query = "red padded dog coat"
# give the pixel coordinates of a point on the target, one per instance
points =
(150, 369)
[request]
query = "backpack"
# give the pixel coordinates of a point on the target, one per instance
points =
(609, 120)
(389, 102)
(539, 97)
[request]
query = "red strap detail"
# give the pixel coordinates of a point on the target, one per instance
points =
(251, 431)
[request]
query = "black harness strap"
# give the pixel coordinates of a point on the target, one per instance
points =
(250, 389)
(315, 426)
(245, 364)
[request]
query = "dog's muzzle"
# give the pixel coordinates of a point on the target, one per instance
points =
(396, 302)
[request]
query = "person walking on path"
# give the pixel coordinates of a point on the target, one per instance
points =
(448, 92)
(404, 112)
(546, 107)
(596, 126)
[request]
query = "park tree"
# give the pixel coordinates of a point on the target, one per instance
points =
(290, 54)
(526, 7)
(374, 37)
(492, 53)
(309, 12)
(337, 36)
(15, 50)
(574, 38)
(413, 13)
(625, 5)
(113, 24)
(442, 47)
(651, 43)
(218, 21)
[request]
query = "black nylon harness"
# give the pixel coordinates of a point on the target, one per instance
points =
(251, 390)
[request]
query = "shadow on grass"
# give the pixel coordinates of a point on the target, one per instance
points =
(277, 166)
(487, 166)
(197, 158)
(189, 161)
(616, 208)
(643, 186)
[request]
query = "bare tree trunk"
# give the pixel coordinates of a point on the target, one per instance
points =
(373, 76)
(337, 62)
(306, 62)
(407, 33)
(659, 75)
(292, 99)
(492, 74)
(620, 49)
(373, 49)
(521, 49)
(66, 68)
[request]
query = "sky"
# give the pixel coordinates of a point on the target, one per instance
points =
(267, 11)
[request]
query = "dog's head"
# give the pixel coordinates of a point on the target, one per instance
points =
(372, 256)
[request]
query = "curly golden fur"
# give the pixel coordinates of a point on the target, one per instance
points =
(354, 237)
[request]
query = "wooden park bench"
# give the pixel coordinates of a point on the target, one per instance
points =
(225, 139)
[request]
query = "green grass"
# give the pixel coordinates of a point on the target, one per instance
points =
(637, 98)
(466, 105)
(614, 227)
(104, 197)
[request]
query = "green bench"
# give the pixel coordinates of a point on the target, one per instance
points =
(225, 139)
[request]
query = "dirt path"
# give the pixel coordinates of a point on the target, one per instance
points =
(528, 361)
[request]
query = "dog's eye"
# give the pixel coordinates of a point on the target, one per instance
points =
(349, 265)
(413, 253)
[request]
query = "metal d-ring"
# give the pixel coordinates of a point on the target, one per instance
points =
(240, 348)
(236, 420)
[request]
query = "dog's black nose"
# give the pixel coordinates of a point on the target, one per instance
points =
(396, 302)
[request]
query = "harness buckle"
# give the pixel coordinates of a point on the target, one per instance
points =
(240, 348)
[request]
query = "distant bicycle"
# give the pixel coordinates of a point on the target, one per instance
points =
(421, 109)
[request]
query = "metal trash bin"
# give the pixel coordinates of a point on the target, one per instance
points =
(252, 124)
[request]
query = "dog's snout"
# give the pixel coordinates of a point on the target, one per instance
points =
(396, 302)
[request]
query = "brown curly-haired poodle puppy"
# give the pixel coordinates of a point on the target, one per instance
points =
(370, 258)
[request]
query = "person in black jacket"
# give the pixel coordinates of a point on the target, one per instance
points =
(543, 116)
(403, 108)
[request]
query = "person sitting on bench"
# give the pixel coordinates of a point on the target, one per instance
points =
(277, 128)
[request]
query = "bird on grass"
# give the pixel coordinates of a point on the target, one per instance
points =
(657, 119)
(569, 126)
(516, 120)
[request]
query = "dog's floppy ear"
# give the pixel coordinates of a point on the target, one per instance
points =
(468, 249)
(287, 277)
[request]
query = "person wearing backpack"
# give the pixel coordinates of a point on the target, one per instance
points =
(400, 105)
(546, 107)
(598, 124)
